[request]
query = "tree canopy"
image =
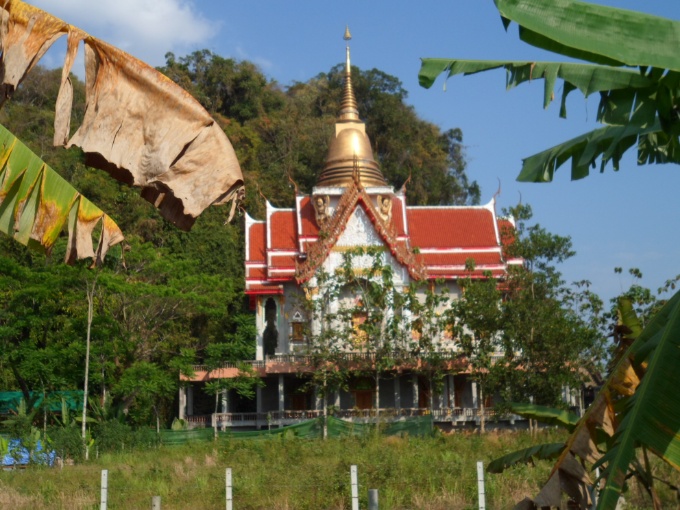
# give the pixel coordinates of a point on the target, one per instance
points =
(281, 134)
(167, 298)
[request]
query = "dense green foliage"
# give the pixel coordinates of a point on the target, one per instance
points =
(545, 334)
(166, 298)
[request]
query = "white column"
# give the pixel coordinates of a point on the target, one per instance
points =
(190, 400)
(282, 395)
(397, 393)
(224, 401)
(258, 405)
(415, 390)
(260, 324)
(318, 401)
(475, 398)
(182, 402)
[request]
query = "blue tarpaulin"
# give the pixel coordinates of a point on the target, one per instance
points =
(19, 455)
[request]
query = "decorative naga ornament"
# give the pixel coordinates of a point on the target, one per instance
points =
(385, 207)
(321, 210)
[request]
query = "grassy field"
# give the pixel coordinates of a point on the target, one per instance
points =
(289, 473)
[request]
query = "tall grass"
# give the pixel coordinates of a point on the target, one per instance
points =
(288, 473)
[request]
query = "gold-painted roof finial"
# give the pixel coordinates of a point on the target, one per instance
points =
(350, 157)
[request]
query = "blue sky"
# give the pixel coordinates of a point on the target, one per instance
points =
(626, 218)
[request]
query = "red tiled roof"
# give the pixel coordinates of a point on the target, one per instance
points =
(307, 218)
(263, 289)
(258, 241)
(448, 227)
(445, 237)
(283, 234)
(462, 273)
(506, 231)
(256, 273)
(459, 259)
(280, 261)
(398, 216)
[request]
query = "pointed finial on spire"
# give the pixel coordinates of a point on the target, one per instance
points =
(348, 108)
(347, 37)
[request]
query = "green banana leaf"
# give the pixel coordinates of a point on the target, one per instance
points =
(608, 143)
(643, 103)
(628, 317)
(526, 455)
(548, 415)
(36, 203)
(588, 78)
(651, 417)
(596, 33)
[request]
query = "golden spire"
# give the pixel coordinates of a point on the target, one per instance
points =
(349, 154)
(348, 107)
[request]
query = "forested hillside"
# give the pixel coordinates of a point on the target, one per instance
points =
(166, 295)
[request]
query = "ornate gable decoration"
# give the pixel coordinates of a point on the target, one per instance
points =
(333, 228)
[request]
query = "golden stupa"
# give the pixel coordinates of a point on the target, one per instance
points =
(350, 149)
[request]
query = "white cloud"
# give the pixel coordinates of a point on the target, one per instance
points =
(147, 29)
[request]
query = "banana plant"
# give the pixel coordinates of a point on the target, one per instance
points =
(633, 63)
(139, 126)
(633, 413)
(36, 203)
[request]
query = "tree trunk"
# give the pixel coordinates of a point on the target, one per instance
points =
(431, 397)
(377, 397)
(90, 311)
(325, 406)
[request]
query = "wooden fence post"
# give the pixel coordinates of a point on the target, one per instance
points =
(228, 490)
(104, 489)
(355, 487)
(480, 486)
(156, 503)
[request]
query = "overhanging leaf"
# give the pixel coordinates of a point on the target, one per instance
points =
(36, 203)
(546, 415)
(595, 32)
(608, 143)
(587, 78)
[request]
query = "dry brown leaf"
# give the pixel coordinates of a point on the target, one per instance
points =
(139, 126)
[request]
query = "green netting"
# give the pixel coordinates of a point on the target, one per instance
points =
(309, 429)
(171, 437)
(9, 400)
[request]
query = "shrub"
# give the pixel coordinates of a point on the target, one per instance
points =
(66, 442)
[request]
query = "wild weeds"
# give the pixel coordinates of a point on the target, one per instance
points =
(290, 473)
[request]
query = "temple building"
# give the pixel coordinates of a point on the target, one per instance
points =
(351, 206)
